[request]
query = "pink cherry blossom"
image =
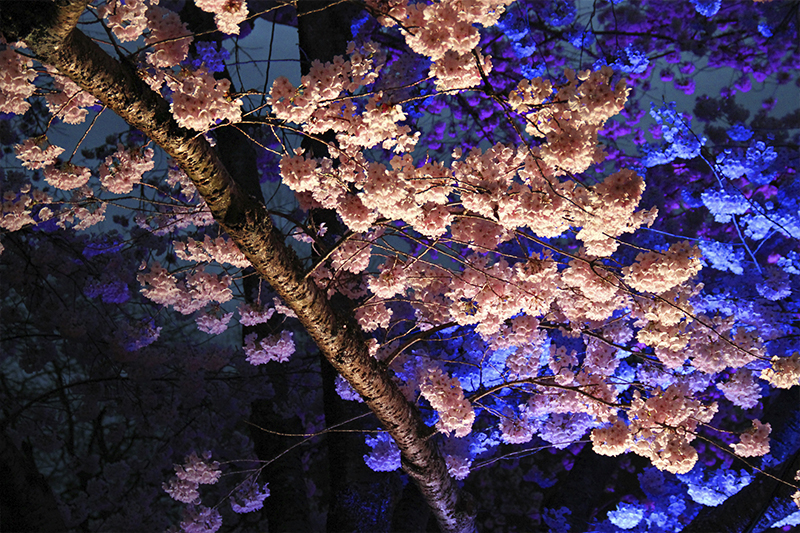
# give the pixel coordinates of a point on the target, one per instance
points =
(16, 81)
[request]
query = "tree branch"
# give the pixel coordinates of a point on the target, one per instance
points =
(49, 31)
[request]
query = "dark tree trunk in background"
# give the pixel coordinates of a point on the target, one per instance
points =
(582, 489)
(360, 499)
(26, 501)
(287, 509)
(51, 34)
(766, 500)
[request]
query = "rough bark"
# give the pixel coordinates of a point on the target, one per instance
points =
(50, 32)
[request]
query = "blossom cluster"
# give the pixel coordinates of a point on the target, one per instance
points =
(220, 250)
(784, 372)
(658, 273)
(168, 37)
(122, 170)
(228, 14)
(61, 175)
(447, 33)
(199, 101)
(755, 441)
(186, 296)
(30, 153)
(252, 314)
(446, 396)
(571, 128)
(80, 215)
(16, 81)
(663, 426)
(68, 101)
(213, 323)
(16, 208)
(200, 519)
(346, 391)
(316, 105)
(741, 389)
(385, 455)
(190, 475)
(126, 18)
(271, 348)
(249, 497)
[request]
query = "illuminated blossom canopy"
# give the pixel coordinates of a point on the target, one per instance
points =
(493, 264)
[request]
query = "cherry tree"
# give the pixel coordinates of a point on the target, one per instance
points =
(450, 235)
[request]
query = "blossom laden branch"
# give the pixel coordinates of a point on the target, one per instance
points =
(52, 36)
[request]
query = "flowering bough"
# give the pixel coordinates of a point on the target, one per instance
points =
(530, 308)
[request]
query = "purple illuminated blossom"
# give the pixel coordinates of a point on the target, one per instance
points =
(209, 55)
(249, 497)
(626, 515)
(200, 519)
(740, 132)
(707, 8)
(385, 455)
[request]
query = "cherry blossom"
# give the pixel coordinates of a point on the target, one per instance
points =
(754, 442)
(199, 101)
(512, 286)
(447, 397)
(16, 80)
(124, 169)
(228, 14)
(125, 18)
(33, 157)
(784, 372)
(249, 497)
(272, 348)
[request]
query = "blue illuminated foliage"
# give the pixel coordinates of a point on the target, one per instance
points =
(558, 12)
(679, 139)
(110, 291)
(107, 244)
(210, 57)
(713, 488)
(631, 60)
(740, 132)
(723, 204)
(707, 8)
(752, 164)
(723, 256)
(626, 515)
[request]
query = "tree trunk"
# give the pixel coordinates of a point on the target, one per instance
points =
(766, 500)
(50, 33)
(360, 500)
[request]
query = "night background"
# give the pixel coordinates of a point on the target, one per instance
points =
(568, 340)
